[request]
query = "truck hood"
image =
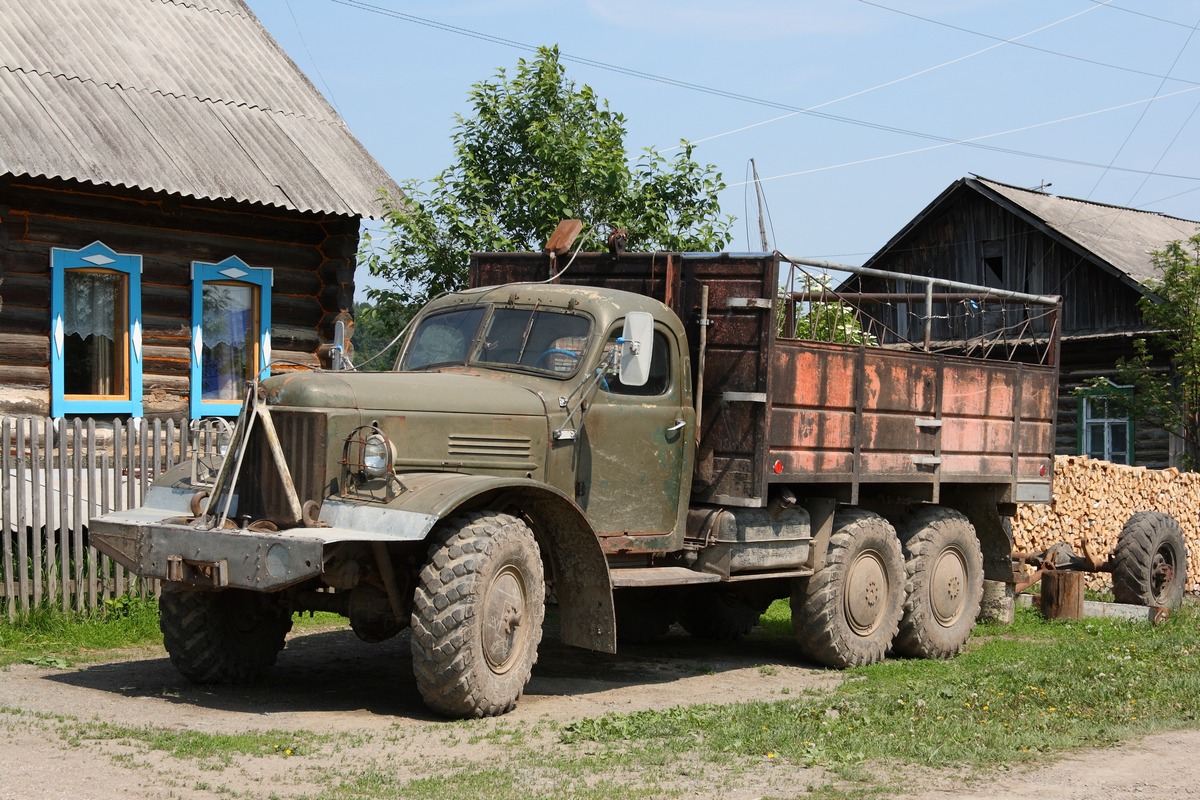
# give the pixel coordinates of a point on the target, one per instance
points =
(403, 391)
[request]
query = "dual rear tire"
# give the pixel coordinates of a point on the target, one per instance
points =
(915, 591)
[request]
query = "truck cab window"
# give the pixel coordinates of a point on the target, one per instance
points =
(443, 339)
(529, 339)
(660, 368)
(538, 339)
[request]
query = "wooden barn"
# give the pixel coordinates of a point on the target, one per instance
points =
(1097, 257)
(179, 208)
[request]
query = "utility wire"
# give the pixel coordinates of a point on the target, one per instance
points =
(886, 84)
(975, 142)
(1174, 138)
(316, 68)
(1141, 117)
(365, 6)
(1115, 7)
(1091, 61)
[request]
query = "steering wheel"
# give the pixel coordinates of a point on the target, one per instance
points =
(555, 351)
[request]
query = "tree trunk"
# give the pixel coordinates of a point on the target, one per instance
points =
(1062, 595)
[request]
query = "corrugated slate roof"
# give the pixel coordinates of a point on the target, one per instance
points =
(190, 97)
(1122, 237)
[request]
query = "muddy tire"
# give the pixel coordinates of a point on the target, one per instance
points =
(848, 613)
(1150, 561)
(230, 636)
(943, 582)
(717, 614)
(644, 615)
(477, 616)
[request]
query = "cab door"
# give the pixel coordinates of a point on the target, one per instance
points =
(634, 453)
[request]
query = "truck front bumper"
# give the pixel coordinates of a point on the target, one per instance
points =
(170, 550)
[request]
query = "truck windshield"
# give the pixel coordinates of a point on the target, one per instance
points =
(531, 339)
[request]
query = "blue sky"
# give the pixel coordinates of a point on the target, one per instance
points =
(1048, 91)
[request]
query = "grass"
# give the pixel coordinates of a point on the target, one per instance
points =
(1019, 693)
(188, 744)
(51, 637)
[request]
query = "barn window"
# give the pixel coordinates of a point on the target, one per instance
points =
(993, 263)
(95, 332)
(231, 334)
(1104, 432)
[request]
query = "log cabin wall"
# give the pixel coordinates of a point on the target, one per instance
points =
(312, 257)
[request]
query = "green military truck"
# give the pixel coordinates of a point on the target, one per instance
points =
(638, 440)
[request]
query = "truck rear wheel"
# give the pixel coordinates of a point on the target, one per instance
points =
(1150, 561)
(714, 612)
(230, 636)
(847, 613)
(477, 616)
(943, 585)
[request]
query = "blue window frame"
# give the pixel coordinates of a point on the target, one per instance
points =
(231, 334)
(95, 331)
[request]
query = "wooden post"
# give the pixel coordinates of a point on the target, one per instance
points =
(1062, 594)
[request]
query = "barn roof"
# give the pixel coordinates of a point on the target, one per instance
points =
(1119, 239)
(189, 97)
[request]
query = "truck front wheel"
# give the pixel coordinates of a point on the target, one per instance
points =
(477, 616)
(230, 636)
(847, 613)
(944, 582)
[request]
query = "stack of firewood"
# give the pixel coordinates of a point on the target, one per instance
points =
(1092, 501)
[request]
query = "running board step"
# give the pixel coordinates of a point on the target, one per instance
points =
(659, 576)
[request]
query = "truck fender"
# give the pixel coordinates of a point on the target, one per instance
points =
(578, 567)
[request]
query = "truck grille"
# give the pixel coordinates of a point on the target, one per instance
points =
(260, 486)
(490, 451)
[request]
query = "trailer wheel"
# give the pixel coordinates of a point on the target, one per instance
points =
(644, 614)
(715, 613)
(477, 616)
(847, 613)
(1150, 562)
(230, 636)
(943, 582)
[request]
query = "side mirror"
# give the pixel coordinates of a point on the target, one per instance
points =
(338, 351)
(637, 345)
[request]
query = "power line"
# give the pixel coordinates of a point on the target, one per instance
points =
(975, 142)
(943, 140)
(1174, 138)
(1141, 117)
(916, 74)
(316, 68)
(1091, 61)
(1114, 7)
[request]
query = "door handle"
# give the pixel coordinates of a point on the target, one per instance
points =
(677, 426)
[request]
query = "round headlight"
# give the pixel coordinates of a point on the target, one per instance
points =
(376, 455)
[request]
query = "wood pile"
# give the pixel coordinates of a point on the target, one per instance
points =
(1092, 501)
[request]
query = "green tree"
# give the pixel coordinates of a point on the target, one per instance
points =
(375, 328)
(537, 150)
(832, 320)
(1167, 399)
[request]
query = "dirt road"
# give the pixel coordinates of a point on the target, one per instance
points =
(340, 712)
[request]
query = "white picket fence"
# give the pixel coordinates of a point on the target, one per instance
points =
(55, 475)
